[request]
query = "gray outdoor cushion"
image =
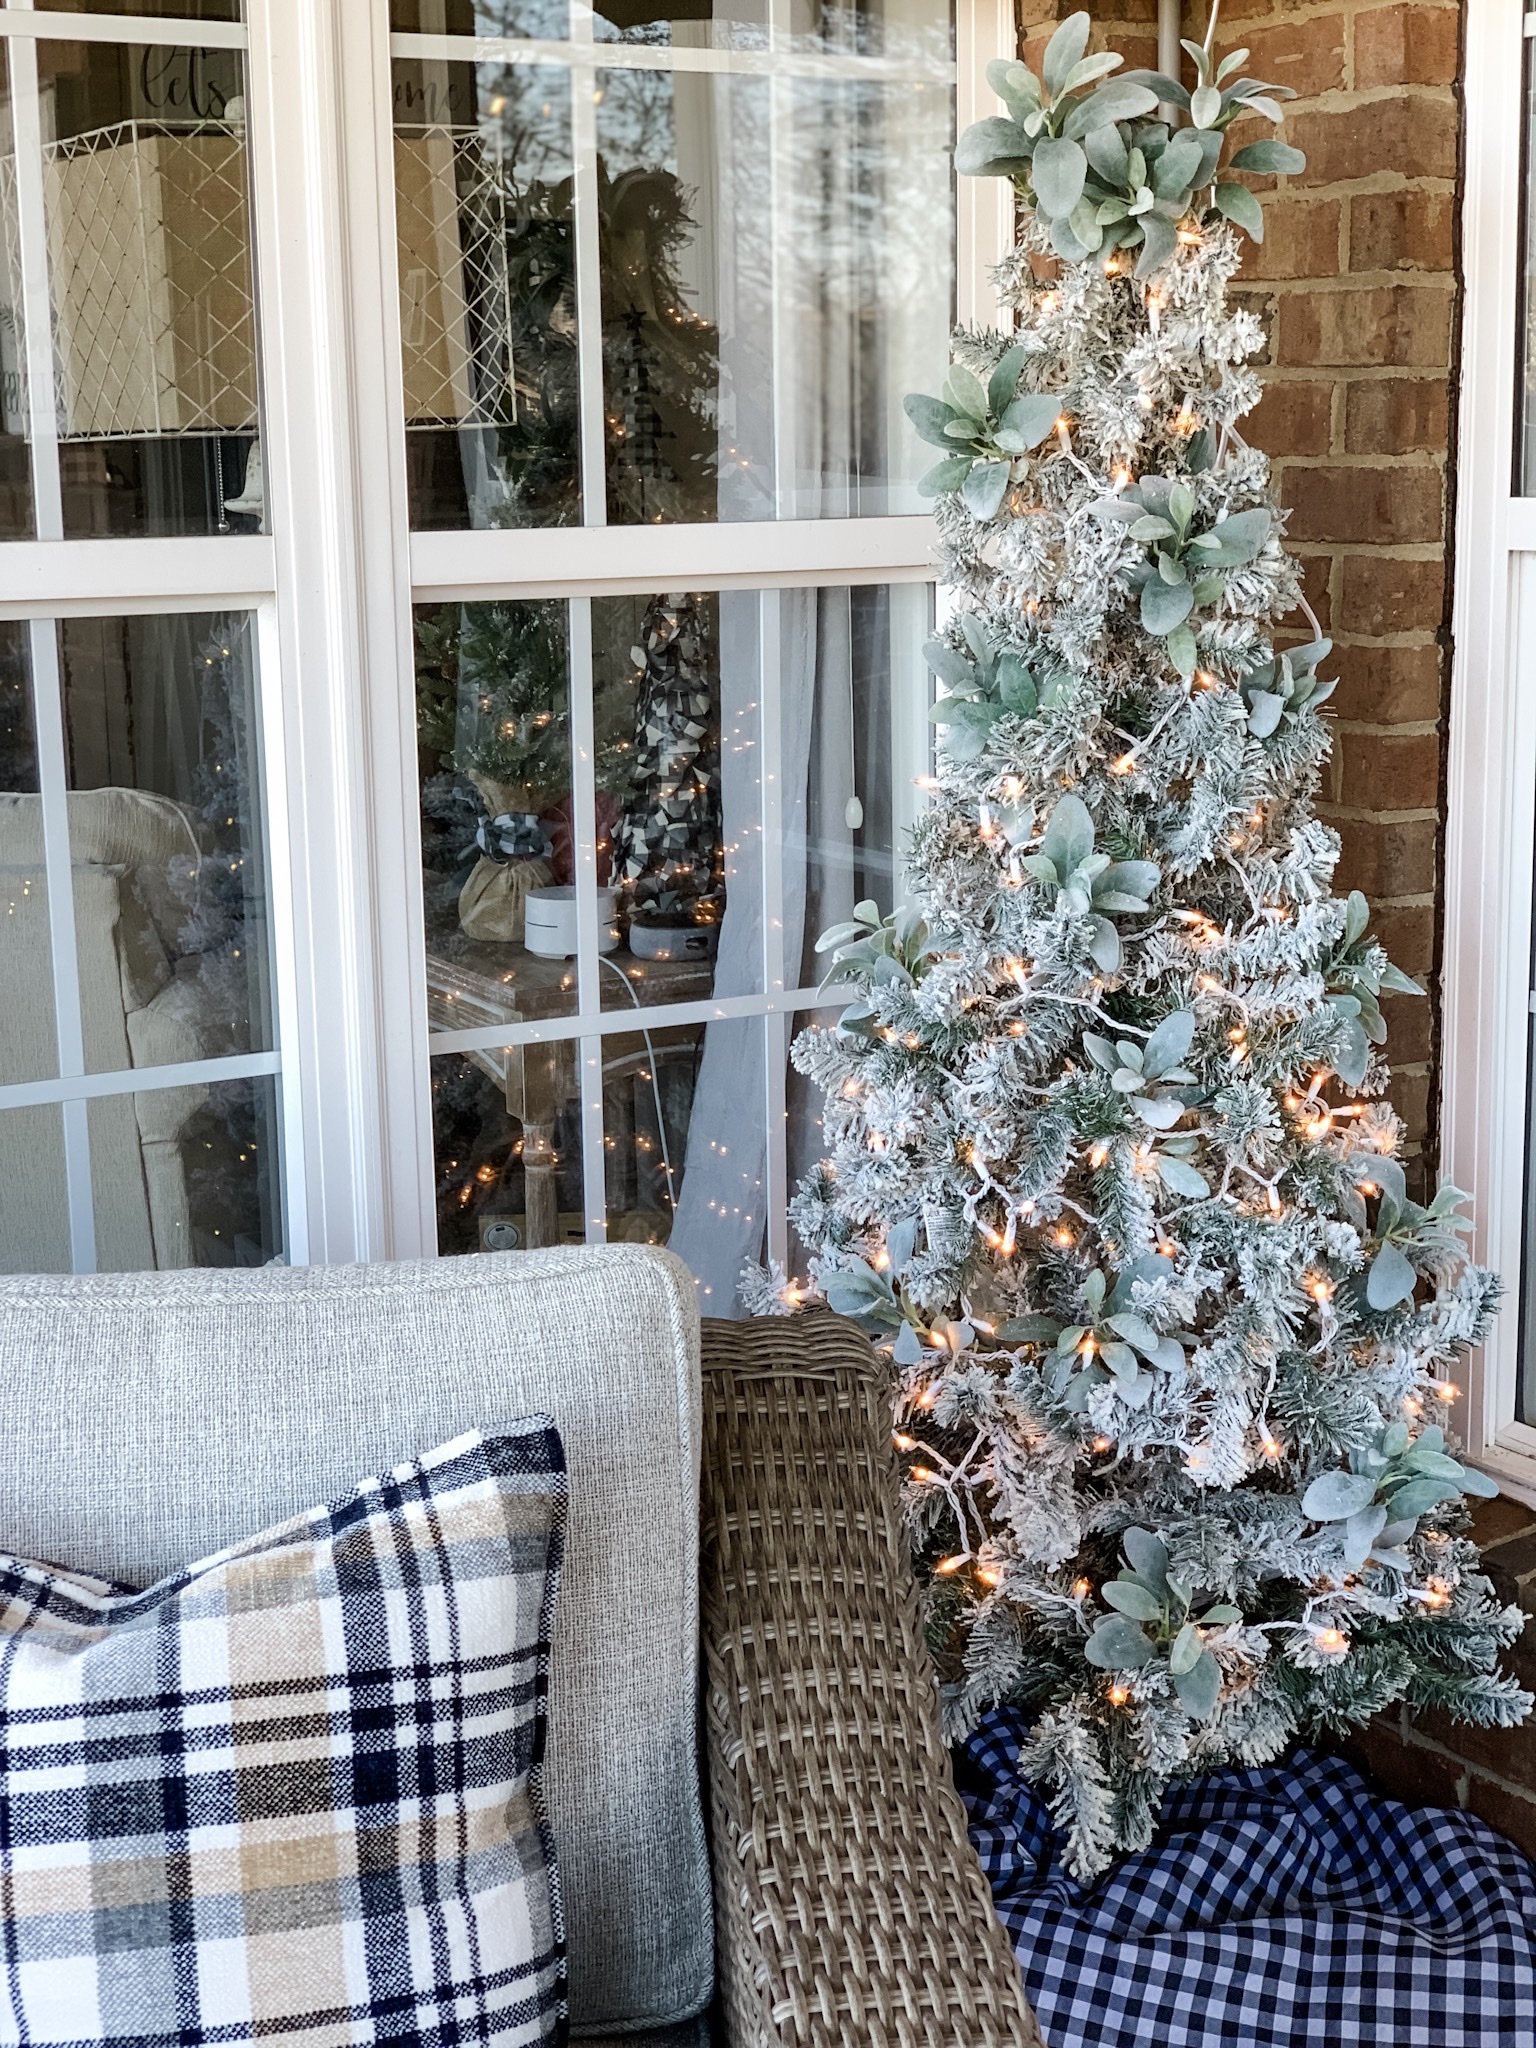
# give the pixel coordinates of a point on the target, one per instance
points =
(155, 1418)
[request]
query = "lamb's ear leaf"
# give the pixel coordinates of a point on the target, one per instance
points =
(1200, 1688)
(1121, 99)
(1264, 712)
(1178, 166)
(1104, 948)
(985, 489)
(994, 148)
(901, 1242)
(1004, 380)
(908, 1348)
(1159, 240)
(949, 664)
(1031, 417)
(1165, 606)
(1335, 1496)
(1185, 1653)
(1183, 1178)
(1065, 49)
(1058, 171)
(945, 477)
(1391, 1280)
(1242, 209)
(1131, 1599)
(1169, 1043)
(1182, 651)
(1118, 1644)
(1068, 838)
(1161, 86)
(1147, 1554)
(1271, 157)
(1107, 153)
(930, 416)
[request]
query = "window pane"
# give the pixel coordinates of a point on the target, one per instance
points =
(29, 1049)
(771, 256)
(498, 829)
(15, 471)
(778, 277)
(663, 680)
(508, 1135)
(755, 762)
(487, 293)
(144, 192)
(165, 824)
(186, 1177)
(542, 18)
(181, 10)
(34, 1202)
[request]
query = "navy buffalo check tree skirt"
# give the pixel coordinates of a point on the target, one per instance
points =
(1282, 1907)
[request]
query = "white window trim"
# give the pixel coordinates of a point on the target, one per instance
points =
(331, 597)
(1491, 824)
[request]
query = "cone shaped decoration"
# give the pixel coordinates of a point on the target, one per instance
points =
(1110, 1166)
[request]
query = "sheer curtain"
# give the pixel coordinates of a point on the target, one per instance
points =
(795, 395)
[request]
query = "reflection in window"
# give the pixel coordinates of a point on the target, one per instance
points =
(752, 779)
(186, 1177)
(746, 251)
(144, 193)
(165, 829)
(155, 831)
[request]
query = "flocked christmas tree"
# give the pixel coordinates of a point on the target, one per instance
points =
(1110, 1164)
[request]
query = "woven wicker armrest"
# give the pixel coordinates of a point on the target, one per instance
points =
(850, 1911)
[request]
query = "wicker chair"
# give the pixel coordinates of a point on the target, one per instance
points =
(849, 1907)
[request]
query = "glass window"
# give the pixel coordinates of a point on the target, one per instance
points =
(618, 1028)
(165, 831)
(653, 291)
(34, 1198)
(181, 10)
(138, 176)
(186, 1177)
(134, 939)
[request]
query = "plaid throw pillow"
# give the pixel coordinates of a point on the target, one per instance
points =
(291, 1796)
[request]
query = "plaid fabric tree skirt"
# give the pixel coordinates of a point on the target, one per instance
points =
(1286, 1907)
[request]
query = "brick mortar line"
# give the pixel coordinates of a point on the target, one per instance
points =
(1405, 280)
(1408, 641)
(1407, 458)
(1388, 551)
(1345, 374)
(1351, 814)
(1412, 1737)
(1375, 728)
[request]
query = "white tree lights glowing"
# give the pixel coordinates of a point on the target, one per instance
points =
(1109, 1164)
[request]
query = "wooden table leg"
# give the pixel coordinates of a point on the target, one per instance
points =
(536, 1088)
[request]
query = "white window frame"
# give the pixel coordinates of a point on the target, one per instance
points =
(1491, 816)
(332, 589)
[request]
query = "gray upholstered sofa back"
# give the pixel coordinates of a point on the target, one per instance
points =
(155, 1418)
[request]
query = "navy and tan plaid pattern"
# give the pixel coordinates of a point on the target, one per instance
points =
(1284, 1906)
(291, 1796)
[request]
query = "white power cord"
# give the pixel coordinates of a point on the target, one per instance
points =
(661, 1122)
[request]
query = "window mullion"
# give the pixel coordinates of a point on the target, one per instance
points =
(58, 867)
(589, 285)
(36, 297)
(319, 131)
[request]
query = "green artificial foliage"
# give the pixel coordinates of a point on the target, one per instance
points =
(1110, 1167)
